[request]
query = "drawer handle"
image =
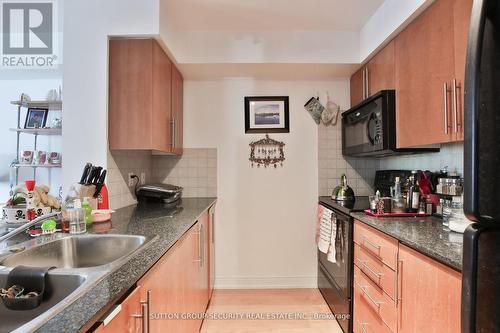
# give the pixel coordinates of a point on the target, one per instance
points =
(365, 292)
(375, 246)
(362, 326)
(371, 271)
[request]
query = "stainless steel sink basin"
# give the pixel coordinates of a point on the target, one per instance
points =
(77, 251)
(58, 287)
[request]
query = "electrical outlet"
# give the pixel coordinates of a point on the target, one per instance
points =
(143, 178)
(130, 179)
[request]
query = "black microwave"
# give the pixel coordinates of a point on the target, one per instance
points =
(369, 128)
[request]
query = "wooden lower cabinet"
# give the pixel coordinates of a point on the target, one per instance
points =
(176, 287)
(418, 295)
(211, 250)
(430, 294)
(125, 317)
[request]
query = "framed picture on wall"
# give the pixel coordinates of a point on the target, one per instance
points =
(267, 114)
(36, 118)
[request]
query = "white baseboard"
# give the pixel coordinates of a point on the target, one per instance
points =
(268, 282)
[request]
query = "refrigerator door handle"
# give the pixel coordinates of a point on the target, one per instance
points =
(471, 97)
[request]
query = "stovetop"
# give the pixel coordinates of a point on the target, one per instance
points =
(360, 204)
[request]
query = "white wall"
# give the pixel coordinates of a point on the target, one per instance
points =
(390, 18)
(265, 217)
(88, 23)
(36, 86)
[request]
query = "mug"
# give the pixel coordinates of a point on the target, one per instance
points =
(54, 158)
(40, 157)
(26, 157)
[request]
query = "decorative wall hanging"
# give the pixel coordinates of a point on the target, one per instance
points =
(267, 114)
(315, 108)
(267, 152)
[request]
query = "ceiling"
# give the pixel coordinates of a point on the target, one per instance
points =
(271, 15)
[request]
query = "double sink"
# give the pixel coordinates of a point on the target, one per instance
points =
(79, 261)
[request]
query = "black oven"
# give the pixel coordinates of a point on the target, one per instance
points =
(369, 128)
(335, 279)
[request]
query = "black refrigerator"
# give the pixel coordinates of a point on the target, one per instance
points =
(481, 255)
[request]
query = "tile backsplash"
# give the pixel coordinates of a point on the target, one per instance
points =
(120, 164)
(451, 155)
(195, 171)
(332, 164)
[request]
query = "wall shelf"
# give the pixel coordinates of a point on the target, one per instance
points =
(35, 166)
(38, 131)
(51, 105)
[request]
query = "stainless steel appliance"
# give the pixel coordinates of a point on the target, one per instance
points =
(481, 251)
(369, 128)
(335, 279)
(165, 193)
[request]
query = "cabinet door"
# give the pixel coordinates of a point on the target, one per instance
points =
(357, 87)
(162, 100)
(130, 86)
(126, 317)
(424, 64)
(165, 283)
(430, 294)
(177, 110)
(461, 22)
(211, 251)
(381, 70)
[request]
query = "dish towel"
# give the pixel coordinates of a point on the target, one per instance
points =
(332, 251)
(325, 231)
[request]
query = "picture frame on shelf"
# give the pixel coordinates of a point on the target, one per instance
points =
(36, 118)
(267, 114)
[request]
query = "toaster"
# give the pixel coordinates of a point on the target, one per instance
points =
(165, 193)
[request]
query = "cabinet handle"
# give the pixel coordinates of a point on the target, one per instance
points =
(375, 246)
(399, 290)
(367, 83)
(143, 316)
(172, 124)
(362, 326)
(371, 271)
(445, 93)
(364, 84)
(213, 227)
(456, 122)
(365, 292)
(146, 310)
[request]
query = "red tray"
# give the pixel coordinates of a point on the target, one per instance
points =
(370, 213)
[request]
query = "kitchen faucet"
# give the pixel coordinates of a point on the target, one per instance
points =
(28, 225)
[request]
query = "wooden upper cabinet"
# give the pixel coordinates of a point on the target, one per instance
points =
(430, 294)
(380, 69)
(376, 75)
(177, 110)
(145, 95)
(424, 58)
(461, 21)
(357, 87)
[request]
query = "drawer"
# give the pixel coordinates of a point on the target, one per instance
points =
(375, 270)
(376, 307)
(383, 247)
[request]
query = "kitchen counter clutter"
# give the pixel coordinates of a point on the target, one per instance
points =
(423, 234)
(152, 221)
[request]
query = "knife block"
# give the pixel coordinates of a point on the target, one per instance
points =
(88, 191)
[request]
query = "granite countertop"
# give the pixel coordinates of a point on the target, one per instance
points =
(149, 222)
(425, 235)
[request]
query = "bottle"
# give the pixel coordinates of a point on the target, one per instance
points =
(30, 201)
(103, 199)
(413, 198)
(398, 202)
(88, 212)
